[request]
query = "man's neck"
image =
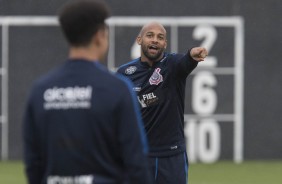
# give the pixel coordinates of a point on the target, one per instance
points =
(149, 61)
(83, 53)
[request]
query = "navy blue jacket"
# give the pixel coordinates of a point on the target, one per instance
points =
(82, 124)
(161, 93)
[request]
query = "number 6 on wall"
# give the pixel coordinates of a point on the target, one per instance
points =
(204, 98)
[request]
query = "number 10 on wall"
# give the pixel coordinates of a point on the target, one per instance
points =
(203, 134)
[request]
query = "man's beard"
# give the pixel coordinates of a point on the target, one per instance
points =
(152, 57)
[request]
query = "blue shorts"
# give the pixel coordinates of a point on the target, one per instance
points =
(170, 170)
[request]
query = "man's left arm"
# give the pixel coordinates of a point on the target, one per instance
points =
(198, 53)
(186, 64)
(33, 165)
(132, 138)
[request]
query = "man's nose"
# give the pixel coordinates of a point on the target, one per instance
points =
(155, 39)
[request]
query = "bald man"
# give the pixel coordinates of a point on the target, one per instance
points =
(159, 81)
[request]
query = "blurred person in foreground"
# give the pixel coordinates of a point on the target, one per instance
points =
(82, 124)
(159, 80)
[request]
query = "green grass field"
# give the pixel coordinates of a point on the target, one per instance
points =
(250, 172)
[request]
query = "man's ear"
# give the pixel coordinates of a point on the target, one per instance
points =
(99, 37)
(139, 40)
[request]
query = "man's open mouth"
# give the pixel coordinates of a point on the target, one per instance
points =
(153, 47)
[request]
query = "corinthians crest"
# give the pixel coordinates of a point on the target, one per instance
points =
(156, 77)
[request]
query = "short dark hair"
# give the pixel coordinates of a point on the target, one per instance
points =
(81, 19)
